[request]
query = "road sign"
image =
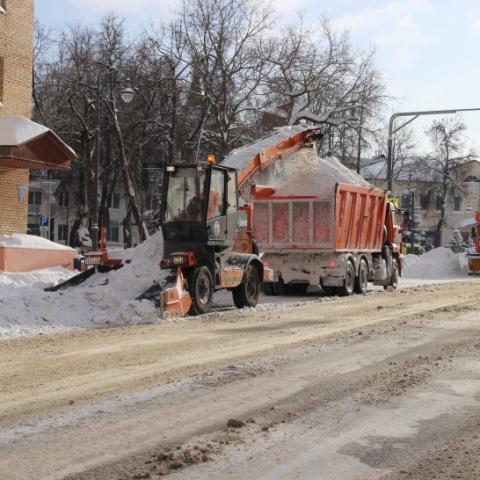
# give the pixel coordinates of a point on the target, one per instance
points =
(43, 221)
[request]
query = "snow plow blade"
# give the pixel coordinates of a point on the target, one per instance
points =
(170, 295)
(81, 277)
(73, 281)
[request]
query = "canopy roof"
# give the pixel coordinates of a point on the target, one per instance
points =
(26, 144)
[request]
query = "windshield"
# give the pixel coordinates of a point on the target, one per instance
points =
(184, 196)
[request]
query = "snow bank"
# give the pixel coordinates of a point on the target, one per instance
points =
(105, 299)
(440, 263)
(30, 241)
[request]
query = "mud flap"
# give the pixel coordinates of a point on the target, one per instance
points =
(174, 297)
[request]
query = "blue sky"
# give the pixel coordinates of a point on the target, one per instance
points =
(427, 49)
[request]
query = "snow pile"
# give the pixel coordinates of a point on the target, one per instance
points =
(105, 299)
(305, 173)
(27, 282)
(440, 263)
(30, 241)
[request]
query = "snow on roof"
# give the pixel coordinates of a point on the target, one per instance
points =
(465, 223)
(16, 130)
(30, 241)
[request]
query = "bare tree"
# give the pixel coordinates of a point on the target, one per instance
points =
(448, 164)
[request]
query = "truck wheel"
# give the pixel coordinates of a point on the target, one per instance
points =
(349, 281)
(394, 278)
(200, 287)
(267, 288)
(361, 281)
(246, 294)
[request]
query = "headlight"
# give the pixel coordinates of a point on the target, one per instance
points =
(179, 260)
(93, 259)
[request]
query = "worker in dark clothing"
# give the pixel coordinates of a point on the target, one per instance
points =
(195, 207)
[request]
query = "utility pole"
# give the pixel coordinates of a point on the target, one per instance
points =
(415, 115)
(412, 231)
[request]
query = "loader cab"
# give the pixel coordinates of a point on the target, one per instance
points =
(199, 208)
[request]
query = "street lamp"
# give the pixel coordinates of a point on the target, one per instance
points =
(415, 115)
(469, 205)
(127, 95)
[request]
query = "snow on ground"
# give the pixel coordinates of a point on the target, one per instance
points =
(109, 299)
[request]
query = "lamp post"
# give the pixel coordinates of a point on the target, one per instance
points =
(127, 95)
(415, 115)
(469, 208)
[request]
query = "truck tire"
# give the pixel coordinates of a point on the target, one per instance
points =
(200, 287)
(361, 281)
(393, 282)
(348, 282)
(246, 294)
(267, 288)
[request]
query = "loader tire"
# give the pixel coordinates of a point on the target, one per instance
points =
(394, 278)
(200, 287)
(348, 282)
(361, 281)
(246, 294)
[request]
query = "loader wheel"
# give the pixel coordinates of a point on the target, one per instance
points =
(267, 288)
(361, 281)
(200, 287)
(394, 278)
(246, 294)
(349, 282)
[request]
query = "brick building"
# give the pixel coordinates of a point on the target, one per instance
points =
(24, 144)
(16, 59)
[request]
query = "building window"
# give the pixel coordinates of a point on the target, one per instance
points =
(63, 233)
(113, 234)
(457, 203)
(438, 203)
(34, 198)
(113, 201)
(424, 202)
(405, 201)
(63, 199)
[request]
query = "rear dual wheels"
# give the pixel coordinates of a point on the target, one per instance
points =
(361, 281)
(246, 294)
(348, 286)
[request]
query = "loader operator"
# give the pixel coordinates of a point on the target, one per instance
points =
(195, 206)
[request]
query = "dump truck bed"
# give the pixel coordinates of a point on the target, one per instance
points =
(351, 219)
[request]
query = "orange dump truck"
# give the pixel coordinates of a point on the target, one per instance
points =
(341, 241)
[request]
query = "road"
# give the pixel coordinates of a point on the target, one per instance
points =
(382, 386)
